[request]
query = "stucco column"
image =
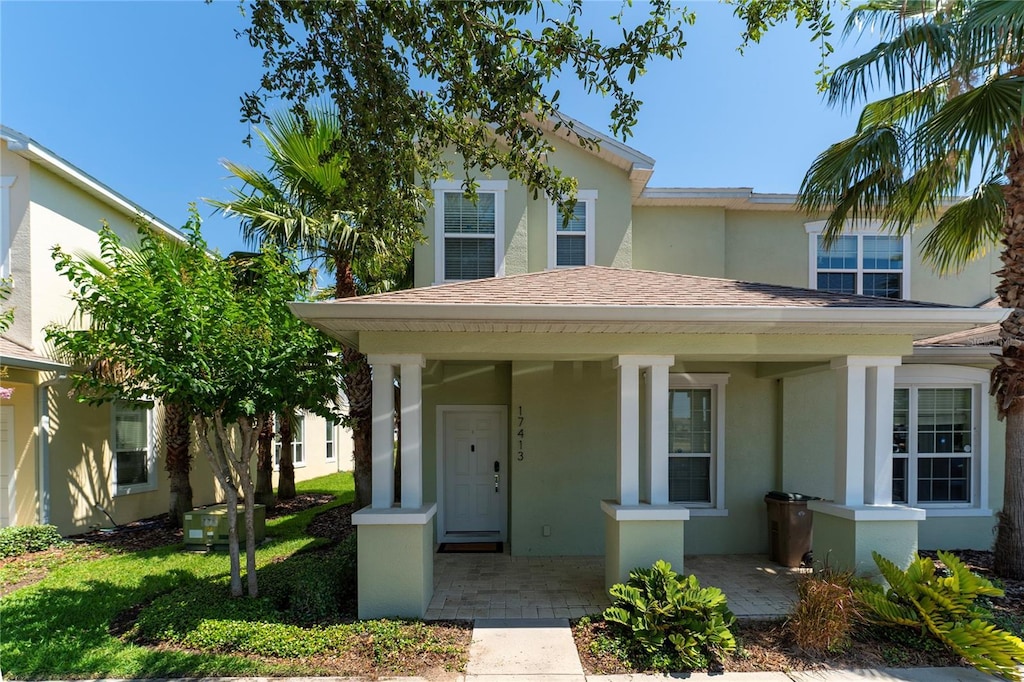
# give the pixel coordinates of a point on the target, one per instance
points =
(657, 429)
(628, 441)
(851, 380)
(383, 434)
(880, 385)
(412, 432)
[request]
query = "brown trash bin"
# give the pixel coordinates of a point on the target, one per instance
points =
(789, 527)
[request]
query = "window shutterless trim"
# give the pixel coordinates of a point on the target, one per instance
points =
(495, 187)
(150, 463)
(589, 198)
(716, 383)
(858, 229)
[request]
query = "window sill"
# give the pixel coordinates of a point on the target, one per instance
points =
(951, 512)
(134, 490)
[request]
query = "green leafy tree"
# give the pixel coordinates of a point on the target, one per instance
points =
(216, 336)
(409, 81)
(307, 203)
(951, 127)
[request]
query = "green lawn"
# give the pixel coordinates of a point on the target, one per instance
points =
(61, 626)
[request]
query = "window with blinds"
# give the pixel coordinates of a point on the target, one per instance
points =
(469, 241)
(132, 448)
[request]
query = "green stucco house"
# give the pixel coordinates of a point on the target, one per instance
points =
(631, 382)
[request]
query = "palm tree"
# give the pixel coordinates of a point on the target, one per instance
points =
(952, 127)
(308, 202)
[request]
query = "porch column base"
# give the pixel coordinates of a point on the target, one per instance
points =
(395, 561)
(845, 535)
(638, 535)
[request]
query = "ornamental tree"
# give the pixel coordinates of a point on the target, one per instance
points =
(408, 81)
(213, 335)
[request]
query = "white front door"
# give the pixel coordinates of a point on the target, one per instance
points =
(475, 474)
(8, 474)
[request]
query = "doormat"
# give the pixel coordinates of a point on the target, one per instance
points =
(471, 548)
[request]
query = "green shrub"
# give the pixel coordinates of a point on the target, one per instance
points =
(670, 620)
(945, 607)
(17, 540)
(826, 611)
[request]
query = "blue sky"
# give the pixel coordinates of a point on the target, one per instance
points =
(144, 96)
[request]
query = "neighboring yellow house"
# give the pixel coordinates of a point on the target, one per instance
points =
(61, 462)
(632, 382)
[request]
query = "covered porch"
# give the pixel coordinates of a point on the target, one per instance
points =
(549, 395)
(468, 586)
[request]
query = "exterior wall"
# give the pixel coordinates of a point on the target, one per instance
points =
(766, 246)
(686, 241)
(750, 465)
(19, 223)
(23, 458)
(396, 570)
(638, 544)
(568, 463)
(974, 285)
(808, 434)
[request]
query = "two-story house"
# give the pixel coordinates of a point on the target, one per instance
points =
(63, 462)
(632, 381)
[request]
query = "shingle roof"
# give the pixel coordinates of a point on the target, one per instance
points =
(605, 286)
(979, 336)
(15, 354)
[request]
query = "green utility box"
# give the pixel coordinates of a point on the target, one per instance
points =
(208, 528)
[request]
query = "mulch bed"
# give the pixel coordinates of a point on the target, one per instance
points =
(768, 645)
(156, 531)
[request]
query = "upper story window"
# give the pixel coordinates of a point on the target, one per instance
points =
(865, 262)
(470, 241)
(571, 237)
(940, 437)
(132, 445)
(5, 225)
(696, 437)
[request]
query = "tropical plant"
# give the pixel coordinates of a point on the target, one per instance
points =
(307, 202)
(16, 540)
(947, 147)
(213, 335)
(945, 607)
(664, 613)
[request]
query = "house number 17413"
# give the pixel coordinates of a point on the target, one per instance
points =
(520, 434)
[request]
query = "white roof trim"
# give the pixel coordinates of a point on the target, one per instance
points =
(637, 158)
(25, 146)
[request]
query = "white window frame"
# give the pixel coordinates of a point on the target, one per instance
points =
(330, 439)
(151, 475)
(587, 197)
(716, 383)
(301, 430)
(946, 376)
(495, 187)
(5, 225)
(858, 229)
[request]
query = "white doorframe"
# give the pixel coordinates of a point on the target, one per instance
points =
(9, 514)
(502, 412)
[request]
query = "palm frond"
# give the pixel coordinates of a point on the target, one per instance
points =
(992, 34)
(968, 229)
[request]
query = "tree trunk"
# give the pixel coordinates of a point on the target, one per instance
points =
(248, 445)
(358, 385)
(1008, 375)
(286, 467)
(178, 461)
(217, 454)
(265, 465)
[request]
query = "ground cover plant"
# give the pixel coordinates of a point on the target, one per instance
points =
(17, 540)
(109, 611)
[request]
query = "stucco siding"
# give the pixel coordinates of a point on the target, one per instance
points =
(688, 241)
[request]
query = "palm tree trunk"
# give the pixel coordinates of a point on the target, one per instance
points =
(178, 461)
(358, 385)
(286, 467)
(265, 465)
(1008, 375)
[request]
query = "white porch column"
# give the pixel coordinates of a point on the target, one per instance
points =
(851, 378)
(881, 379)
(628, 443)
(412, 432)
(657, 429)
(383, 434)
